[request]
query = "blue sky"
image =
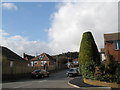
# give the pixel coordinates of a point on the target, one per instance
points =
(27, 27)
(30, 20)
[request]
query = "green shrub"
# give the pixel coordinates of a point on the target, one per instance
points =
(88, 70)
(88, 49)
(88, 54)
(117, 73)
(107, 78)
(112, 73)
(110, 65)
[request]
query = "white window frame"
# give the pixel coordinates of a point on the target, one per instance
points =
(35, 62)
(116, 45)
(43, 62)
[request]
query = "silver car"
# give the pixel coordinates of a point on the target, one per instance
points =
(72, 72)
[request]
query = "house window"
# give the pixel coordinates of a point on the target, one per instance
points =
(75, 62)
(43, 62)
(117, 45)
(11, 63)
(41, 57)
(35, 62)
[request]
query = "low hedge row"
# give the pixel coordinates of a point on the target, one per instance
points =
(88, 72)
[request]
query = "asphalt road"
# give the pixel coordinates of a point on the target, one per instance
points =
(55, 80)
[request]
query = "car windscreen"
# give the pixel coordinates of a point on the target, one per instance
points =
(36, 70)
(71, 70)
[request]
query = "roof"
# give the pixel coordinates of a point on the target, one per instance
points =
(112, 36)
(42, 57)
(10, 54)
(28, 57)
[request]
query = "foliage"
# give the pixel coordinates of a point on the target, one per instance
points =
(107, 78)
(71, 55)
(110, 65)
(88, 49)
(117, 73)
(111, 71)
(88, 54)
(88, 70)
(89, 58)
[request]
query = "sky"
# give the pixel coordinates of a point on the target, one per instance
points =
(55, 27)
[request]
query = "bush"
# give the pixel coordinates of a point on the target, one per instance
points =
(88, 49)
(117, 73)
(112, 73)
(111, 65)
(107, 78)
(88, 53)
(88, 70)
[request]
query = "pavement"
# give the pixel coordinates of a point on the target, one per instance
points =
(78, 83)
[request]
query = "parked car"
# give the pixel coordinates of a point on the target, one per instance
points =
(73, 72)
(39, 73)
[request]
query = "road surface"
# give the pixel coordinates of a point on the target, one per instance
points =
(55, 80)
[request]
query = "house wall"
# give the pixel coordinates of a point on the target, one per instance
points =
(39, 64)
(109, 47)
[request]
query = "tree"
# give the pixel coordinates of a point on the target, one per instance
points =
(88, 50)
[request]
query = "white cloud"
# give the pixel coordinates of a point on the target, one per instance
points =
(9, 6)
(68, 25)
(3, 33)
(72, 19)
(22, 45)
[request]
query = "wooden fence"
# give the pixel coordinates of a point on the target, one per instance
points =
(13, 70)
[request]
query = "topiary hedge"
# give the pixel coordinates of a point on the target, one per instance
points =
(88, 55)
(89, 61)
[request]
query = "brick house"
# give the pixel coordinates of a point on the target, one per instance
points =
(42, 60)
(75, 62)
(112, 45)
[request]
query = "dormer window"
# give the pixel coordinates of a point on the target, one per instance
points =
(41, 57)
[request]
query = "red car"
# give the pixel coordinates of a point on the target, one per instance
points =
(39, 73)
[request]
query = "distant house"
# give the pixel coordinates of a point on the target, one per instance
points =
(103, 56)
(102, 53)
(75, 62)
(28, 57)
(112, 45)
(43, 60)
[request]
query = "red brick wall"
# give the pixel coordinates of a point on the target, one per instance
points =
(109, 47)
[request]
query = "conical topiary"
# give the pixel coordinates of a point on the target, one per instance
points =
(88, 50)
